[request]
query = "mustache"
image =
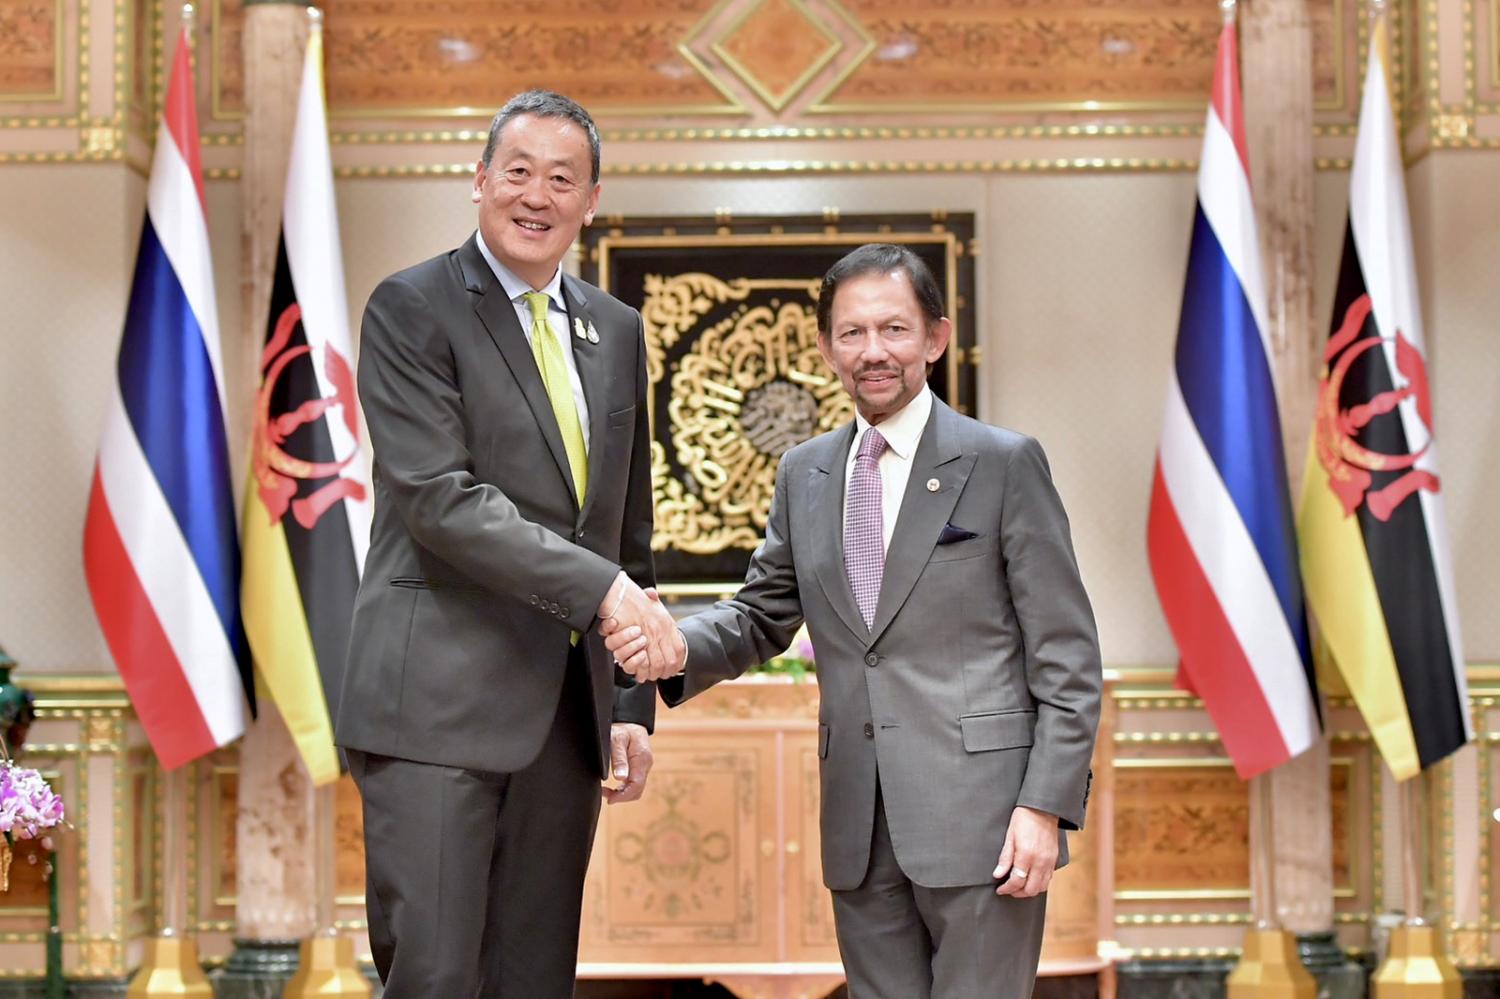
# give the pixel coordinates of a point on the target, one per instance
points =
(877, 369)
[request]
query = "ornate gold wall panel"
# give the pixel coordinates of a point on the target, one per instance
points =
(1069, 55)
(31, 51)
(806, 86)
(430, 58)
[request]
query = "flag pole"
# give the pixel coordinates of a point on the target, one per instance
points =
(170, 965)
(1416, 964)
(1269, 964)
(326, 966)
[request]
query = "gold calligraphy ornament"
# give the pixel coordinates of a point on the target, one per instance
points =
(751, 387)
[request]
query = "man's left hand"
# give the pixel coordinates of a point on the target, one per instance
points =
(1030, 853)
(630, 761)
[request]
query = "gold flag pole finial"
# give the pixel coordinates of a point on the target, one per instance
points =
(1227, 10)
(315, 17)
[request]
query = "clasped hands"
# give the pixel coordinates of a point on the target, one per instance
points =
(640, 632)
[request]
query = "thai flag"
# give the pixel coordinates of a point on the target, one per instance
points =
(1220, 533)
(160, 548)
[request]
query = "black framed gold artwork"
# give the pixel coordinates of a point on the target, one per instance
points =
(736, 378)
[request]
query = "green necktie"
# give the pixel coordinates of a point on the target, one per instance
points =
(549, 361)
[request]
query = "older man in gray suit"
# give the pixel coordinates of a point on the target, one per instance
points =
(507, 406)
(957, 658)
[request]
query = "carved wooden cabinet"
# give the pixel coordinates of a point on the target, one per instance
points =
(718, 863)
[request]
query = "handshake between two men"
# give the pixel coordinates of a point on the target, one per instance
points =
(640, 632)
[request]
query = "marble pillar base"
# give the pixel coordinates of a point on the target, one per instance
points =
(1338, 975)
(35, 988)
(1481, 983)
(258, 969)
(1187, 978)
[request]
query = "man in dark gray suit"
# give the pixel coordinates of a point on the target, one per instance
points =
(506, 403)
(958, 665)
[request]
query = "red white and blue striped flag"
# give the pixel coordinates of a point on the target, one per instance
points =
(1220, 533)
(160, 548)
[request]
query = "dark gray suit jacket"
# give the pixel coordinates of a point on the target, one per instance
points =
(481, 563)
(977, 688)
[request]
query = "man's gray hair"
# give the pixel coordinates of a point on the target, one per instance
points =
(544, 104)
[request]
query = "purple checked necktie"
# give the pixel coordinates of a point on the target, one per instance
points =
(864, 526)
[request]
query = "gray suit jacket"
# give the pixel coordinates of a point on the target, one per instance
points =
(481, 563)
(976, 690)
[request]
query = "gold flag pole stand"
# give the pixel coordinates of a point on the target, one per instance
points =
(1416, 966)
(326, 966)
(170, 966)
(1269, 964)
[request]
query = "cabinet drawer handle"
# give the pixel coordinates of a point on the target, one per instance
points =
(793, 847)
(767, 848)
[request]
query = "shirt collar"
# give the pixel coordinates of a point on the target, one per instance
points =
(514, 286)
(902, 430)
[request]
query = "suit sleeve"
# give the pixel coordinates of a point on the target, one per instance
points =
(1063, 669)
(757, 624)
(408, 386)
(637, 703)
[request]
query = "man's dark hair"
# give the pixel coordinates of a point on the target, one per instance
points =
(881, 258)
(544, 104)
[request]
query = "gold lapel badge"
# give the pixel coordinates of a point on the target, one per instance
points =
(593, 334)
(578, 329)
(932, 485)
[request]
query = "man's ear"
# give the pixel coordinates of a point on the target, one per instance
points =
(477, 194)
(938, 335)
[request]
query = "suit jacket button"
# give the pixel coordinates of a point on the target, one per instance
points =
(872, 659)
(869, 731)
(562, 612)
(535, 600)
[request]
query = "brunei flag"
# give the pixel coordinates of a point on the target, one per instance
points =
(1375, 558)
(307, 513)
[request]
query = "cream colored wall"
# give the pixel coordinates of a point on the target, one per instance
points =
(1079, 285)
(67, 234)
(1455, 202)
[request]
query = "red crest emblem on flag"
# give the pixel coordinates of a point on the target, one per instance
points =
(1349, 464)
(278, 473)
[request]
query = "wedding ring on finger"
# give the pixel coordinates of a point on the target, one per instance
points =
(1018, 874)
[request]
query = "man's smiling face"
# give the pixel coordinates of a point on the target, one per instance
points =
(536, 194)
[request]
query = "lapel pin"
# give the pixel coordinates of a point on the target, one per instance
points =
(932, 485)
(593, 334)
(578, 329)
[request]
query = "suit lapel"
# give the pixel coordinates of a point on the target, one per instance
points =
(924, 511)
(589, 358)
(825, 485)
(498, 315)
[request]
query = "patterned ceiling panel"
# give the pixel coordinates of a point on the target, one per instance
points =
(954, 55)
(464, 57)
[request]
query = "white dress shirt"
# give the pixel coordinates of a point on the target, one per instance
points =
(902, 431)
(557, 318)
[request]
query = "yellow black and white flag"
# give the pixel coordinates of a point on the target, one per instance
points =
(1375, 559)
(307, 513)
